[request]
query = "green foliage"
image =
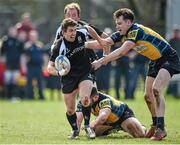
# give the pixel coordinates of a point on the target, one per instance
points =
(35, 122)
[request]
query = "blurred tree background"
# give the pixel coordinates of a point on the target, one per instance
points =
(48, 14)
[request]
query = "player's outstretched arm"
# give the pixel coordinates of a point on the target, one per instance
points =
(94, 44)
(93, 34)
(107, 42)
(121, 51)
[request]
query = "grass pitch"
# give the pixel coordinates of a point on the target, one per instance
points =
(44, 122)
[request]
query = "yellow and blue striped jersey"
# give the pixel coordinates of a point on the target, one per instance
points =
(106, 101)
(147, 42)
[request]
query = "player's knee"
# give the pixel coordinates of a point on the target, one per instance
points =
(131, 130)
(156, 92)
(70, 111)
(147, 97)
(85, 101)
(141, 132)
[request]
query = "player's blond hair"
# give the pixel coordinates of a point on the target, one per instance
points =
(72, 6)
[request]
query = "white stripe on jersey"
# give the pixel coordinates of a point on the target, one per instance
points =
(62, 48)
(58, 32)
(84, 30)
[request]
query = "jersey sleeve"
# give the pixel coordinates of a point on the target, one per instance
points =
(84, 30)
(57, 36)
(58, 33)
(116, 37)
(106, 103)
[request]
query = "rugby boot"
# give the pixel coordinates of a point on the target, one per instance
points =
(150, 132)
(159, 134)
(90, 133)
(74, 134)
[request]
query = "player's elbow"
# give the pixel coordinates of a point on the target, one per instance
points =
(103, 118)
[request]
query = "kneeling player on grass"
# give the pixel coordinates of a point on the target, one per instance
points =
(112, 115)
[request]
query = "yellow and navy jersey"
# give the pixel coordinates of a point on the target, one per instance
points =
(106, 101)
(147, 42)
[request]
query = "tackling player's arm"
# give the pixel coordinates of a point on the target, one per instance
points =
(107, 42)
(104, 112)
(121, 51)
(101, 118)
(94, 35)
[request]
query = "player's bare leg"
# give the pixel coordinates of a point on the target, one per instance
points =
(79, 119)
(70, 101)
(102, 130)
(151, 103)
(160, 83)
(85, 88)
(133, 127)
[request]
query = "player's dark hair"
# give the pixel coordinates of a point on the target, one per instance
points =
(94, 92)
(126, 13)
(68, 22)
(73, 6)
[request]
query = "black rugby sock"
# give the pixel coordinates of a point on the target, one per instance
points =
(160, 123)
(72, 121)
(87, 114)
(154, 119)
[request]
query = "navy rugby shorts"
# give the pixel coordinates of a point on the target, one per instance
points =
(169, 61)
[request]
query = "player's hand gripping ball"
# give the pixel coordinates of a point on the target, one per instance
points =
(62, 65)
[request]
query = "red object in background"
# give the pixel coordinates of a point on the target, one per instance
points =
(2, 69)
(45, 73)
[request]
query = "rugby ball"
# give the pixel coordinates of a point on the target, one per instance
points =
(62, 65)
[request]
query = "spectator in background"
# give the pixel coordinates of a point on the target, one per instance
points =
(138, 68)
(122, 71)
(21, 82)
(11, 49)
(25, 25)
(52, 83)
(34, 61)
(175, 40)
(2, 69)
(103, 73)
(175, 43)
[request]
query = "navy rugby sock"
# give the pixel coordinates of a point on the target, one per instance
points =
(160, 123)
(72, 121)
(87, 114)
(154, 119)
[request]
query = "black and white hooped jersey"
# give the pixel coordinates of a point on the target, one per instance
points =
(75, 52)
